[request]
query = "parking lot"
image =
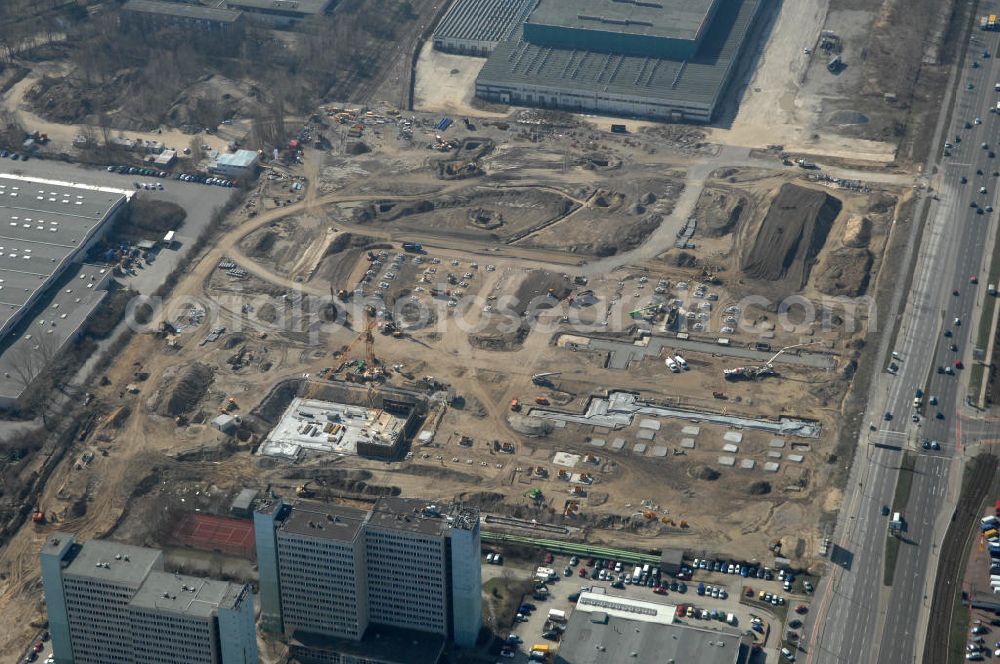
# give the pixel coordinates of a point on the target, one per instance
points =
(711, 599)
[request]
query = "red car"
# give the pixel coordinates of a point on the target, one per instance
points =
(681, 610)
(39, 646)
(583, 573)
(801, 608)
(973, 279)
(958, 364)
(549, 557)
(659, 590)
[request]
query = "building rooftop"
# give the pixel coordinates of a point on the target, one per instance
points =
(310, 425)
(185, 595)
(324, 520)
(286, 6)
(623, 607)
(181, 10)
(483, 20)
(42, 224)
(238, 159)
(380, 644)
(672, 19)
(61, 314)
(409, 514)
(112, 561)
(604, 636)
(700, 80)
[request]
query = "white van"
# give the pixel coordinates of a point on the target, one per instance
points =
(681, 362)
(672, 365)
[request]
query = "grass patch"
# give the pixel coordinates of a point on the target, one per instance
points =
(891, 556)
(958, 630)
(985, 323)
(904, 482)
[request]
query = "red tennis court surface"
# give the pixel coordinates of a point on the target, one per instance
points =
(208, 532)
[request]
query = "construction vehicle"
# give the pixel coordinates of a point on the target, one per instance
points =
(303, 490)
(542, 400)
(515, 405)
(758, 372)
(343, 295)
(38, 517)
(543, 378)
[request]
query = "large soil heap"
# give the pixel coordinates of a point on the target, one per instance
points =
(791, 236)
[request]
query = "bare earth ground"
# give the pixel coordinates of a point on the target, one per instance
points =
(629, 196)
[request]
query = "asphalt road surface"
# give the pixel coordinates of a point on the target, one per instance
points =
(857, 618)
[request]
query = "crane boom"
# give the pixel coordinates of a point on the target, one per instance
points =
(775, 356)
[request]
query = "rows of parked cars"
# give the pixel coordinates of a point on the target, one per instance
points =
(205, 179)
(136, 170)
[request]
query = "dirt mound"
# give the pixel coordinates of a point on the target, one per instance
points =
(718, 212)
(845, 272)
(541, 290)
(499, 340)
(187, 391)
(857, 232)
(706, 473)
(145, 214)
(791, 236)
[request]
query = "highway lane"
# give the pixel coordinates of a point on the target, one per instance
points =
(847, 623)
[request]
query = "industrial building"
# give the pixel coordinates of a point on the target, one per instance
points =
(157, 14)
(280, 13)
(314, 426)
(112, 603)
(333, 576)
(666, 60)
(46, 293)
(239, 165)
(606, 629)
(475, 27)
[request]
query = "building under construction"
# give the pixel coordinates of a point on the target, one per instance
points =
(340, 419)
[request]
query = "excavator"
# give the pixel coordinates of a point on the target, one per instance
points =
(303, 490)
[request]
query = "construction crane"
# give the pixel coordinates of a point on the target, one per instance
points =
(762, 371)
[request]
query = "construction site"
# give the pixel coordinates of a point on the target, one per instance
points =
(643, 337)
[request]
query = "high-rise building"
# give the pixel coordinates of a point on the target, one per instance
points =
(405, 567)
(466, 576)
(112, 603)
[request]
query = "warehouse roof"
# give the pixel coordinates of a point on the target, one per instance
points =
(283, 6)
(605, 637)
(42, 225)
(699, 80)
(483, 20)
(239, 159)
(68, 305)
(674, 19)
(105, 560)
(185, 595)
(194, 12)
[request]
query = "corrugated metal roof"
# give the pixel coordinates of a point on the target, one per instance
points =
(699, 80)
(676, 19)
(483, 20)
(181, 10)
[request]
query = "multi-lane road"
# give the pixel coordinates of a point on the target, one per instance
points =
(856, 618)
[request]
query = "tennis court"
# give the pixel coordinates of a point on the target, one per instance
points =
(208, 532)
